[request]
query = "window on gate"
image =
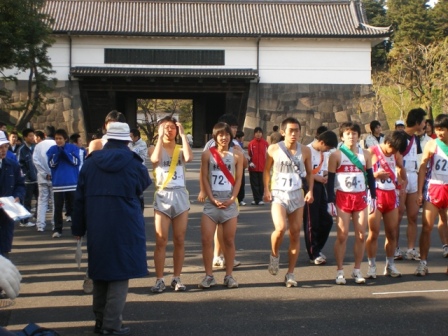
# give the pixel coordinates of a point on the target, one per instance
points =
(164, 56)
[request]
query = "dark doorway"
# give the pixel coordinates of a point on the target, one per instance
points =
(211, 98)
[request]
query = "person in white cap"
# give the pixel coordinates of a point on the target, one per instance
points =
(400, 125)
(12, 183)
(98, 144)
(107, 209)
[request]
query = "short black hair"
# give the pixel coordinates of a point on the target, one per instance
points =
(290, 120)
(39, 134)
(415, 116)
(135, 132)
(62, 132)
(239, 134)
(441, 121)
(49, 131)
(114, 115)
(258, 129)
(397, 140)
(74, 137)
(229, 119)
(374, 124)
(27, 131)
(275, 128)
(329, 138)
(349, 126)
(320, 130)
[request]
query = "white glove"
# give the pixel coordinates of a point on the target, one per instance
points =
(372, 205)
(331, 208)
(9, 278)
(252, 165)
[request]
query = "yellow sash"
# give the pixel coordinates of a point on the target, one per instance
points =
(173, 165)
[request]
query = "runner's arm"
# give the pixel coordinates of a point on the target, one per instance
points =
(156, 155)
(267, 172)
(309, 173)
(333, 162)
(428, 152)
(370, 177)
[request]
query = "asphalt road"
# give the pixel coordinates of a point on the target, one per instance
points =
(52, 295)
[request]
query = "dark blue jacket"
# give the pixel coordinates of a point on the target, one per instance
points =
(64, 165)
(107, 207)
(12, 183)
(25, 156)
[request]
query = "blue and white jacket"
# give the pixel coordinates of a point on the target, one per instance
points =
(64, 165)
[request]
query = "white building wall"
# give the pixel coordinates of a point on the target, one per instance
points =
(283, 61)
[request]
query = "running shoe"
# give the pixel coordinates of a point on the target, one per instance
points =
(320, 260)
(371, 272)
(445, 251)
(68, 218)
(208, 282)
(398, 255)
(159, 287)
(177, 285)
(218, 261)
(412, 254)
(57, 235)
(230, 282)
(392, 271)
(242, 203)
(421, 270)
(289, 280)
(273, 265)
(261, 203)
(340, 279)
(253, 203)
(236, 263)
(27, 224)
(357, 275)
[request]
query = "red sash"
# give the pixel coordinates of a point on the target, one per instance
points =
(222, 166)
(382, 160)
(408, 148)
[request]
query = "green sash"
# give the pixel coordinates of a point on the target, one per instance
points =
(442, 146)
(354, 159)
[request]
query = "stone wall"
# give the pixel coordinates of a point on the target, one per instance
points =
(313, 105)
(62, 107)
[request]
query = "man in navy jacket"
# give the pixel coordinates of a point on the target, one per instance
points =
(107, 207)
(11, 184)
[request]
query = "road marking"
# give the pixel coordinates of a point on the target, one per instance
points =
(410, 292)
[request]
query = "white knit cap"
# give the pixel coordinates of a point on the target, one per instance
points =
(118, 131)
(3, 138)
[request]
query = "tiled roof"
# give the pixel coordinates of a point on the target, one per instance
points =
(324, 18)
(165, 72)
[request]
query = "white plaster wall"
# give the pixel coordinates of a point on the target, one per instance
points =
(281, 60)
(315, 62)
